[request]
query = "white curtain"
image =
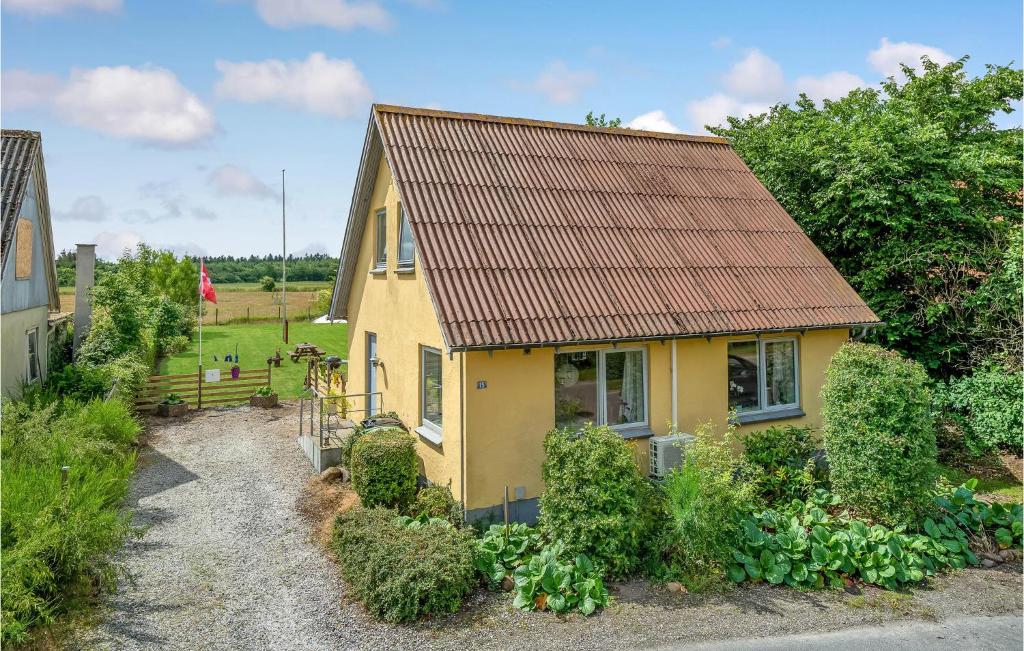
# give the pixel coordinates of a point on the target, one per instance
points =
(632, 409)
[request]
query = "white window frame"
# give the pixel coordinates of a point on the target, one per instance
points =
(32, 336)
(380, 242)
(602, 386)
(762, 374)
(428, 429)
(403, 231)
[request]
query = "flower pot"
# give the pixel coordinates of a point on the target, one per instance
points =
(172, 411)
(265, 402)
(235, 372)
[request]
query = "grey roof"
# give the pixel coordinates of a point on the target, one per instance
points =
(19, 152)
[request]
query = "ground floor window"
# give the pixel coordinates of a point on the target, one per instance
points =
(605, 387)
(763, 375)
(32, 346)
(430, 389)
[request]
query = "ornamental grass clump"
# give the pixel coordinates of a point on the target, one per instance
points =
(385, 468)
(592, 501)
(878, 434)
(402, 569)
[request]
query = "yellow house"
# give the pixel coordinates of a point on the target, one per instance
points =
(503, 276)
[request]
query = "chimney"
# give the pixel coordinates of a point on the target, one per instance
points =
(85, 276)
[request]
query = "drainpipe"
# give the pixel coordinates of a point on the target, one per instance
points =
(675, 387)
(85, 276)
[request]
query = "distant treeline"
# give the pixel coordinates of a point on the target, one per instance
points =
(228, 268)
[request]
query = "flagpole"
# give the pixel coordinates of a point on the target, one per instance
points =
(200, 315)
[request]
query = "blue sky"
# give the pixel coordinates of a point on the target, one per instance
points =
(169, 122)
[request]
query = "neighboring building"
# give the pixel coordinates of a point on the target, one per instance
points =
(502, 276)
(29, 297)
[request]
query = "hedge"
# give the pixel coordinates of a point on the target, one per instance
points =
(403, 572)
(385, 468)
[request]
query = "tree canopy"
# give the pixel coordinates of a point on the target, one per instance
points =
(914, 194)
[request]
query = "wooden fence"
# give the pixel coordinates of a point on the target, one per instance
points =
(197, 392)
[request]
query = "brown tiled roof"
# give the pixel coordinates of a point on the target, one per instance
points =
(532, 233)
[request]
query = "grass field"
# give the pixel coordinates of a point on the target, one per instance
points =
(257, 342)
(241, 301)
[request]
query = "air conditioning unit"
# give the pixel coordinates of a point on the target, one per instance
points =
(667, 453)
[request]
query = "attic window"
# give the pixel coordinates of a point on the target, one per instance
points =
(23, 250)
(381, 251)
(405, 245)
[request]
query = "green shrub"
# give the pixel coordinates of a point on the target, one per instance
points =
(592, 497)
(348, 443)
(878, 433)
(1003, 522)
(707, 496)
(782, 460)
(57, 542)
(497, 555)
(546, 582)
(988, 405)
(127, 374)
(437, 502)
(403, 572)
(385, 469)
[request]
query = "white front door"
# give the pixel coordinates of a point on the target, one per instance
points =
(371, 374)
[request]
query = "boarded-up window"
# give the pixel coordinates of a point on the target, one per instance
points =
(23, 250)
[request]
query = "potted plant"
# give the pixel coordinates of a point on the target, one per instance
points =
(264, 397)
(172, 406)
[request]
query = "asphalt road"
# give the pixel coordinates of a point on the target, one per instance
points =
(988, 633)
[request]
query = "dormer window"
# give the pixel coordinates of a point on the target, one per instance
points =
(405, 246)
(381, 251)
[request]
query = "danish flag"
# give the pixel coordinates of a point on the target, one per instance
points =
(206, 289)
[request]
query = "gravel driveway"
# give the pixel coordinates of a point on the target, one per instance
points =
(227, 562)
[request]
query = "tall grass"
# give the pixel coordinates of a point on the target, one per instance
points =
(57, 541)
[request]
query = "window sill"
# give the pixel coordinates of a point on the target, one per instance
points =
(635, 433)
(406, 269)
(764, 416)
(379, 271)
(429, 434)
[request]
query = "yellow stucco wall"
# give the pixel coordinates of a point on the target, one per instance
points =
(507, 420)
(396, 306)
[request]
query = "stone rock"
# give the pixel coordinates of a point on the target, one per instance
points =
(995, 557)
(1007, 554)
(852, 588)
(507, 584)
(988, 562)
(673, 586)
(334, 473)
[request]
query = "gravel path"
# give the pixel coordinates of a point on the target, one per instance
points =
(227, 562)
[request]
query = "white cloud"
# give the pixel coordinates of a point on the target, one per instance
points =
(203, 214)
(332, 87)
(89, 208)
(713, 110)
(315, 248)
(231, 180)
(186, 249)
(755, 76)
(53, 7)
(26, 89)
(653, 121)
(110, 246)
(145, 104)
(833, 85)
(560, 85)
(887, 58)
(721, 42)
(336, 14)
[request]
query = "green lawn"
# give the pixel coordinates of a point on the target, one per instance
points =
(257, 342)
(1001, 484)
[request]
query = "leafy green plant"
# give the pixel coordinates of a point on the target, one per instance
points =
(592, 497)
(878, 433)
(385, 469)
(987, 405)
(401, 571)
(783, 463)
(264, 391)
(173, 399)
(420, 520)
(707, 496)
(1000, 521)
(547, 583)
(498, 555)
(437, 502)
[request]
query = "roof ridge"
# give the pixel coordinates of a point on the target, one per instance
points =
(529, 122)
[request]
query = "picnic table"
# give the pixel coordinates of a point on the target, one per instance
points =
(305, 350)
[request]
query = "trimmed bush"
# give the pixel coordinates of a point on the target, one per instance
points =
(781, 458)
(592, 498)
(437, 502)
(385, 468)
(879, 434)
(707, 496)
(403, 572)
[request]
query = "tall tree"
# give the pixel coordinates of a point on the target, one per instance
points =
(914, 193)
